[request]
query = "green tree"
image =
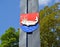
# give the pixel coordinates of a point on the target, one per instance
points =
(50, 26)
(10, 38)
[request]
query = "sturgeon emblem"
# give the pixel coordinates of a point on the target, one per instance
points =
(29, 19)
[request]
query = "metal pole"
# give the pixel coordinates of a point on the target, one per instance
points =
(27, 6)
(27, 33)
(26, 39)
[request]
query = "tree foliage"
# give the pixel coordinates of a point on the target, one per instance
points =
(50, 26)
(10, 38)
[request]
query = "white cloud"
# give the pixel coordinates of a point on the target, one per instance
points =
(44, 2)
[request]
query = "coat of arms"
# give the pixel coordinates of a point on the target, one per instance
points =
(29, 19)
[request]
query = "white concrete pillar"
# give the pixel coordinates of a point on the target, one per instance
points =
(34, 37)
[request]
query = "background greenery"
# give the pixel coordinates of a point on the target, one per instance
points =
(50, 26)
(49, 29)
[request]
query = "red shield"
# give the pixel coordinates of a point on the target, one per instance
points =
(29, 19)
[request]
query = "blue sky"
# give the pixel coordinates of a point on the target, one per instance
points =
(10, 13)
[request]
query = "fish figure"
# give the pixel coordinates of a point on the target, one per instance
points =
(29, 19)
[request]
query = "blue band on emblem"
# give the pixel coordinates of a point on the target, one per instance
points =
(29, 28)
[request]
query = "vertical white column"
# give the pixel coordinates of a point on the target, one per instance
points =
(34, 37)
